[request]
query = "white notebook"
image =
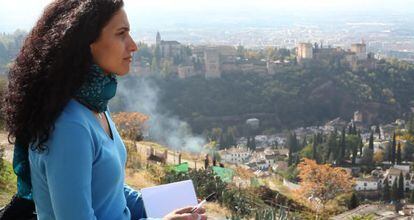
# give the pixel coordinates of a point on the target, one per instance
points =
(163, 199)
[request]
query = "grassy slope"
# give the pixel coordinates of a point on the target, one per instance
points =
(7, 189)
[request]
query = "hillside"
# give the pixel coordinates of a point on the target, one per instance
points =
(295, 96)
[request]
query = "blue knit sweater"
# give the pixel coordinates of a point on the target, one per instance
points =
(81, 175)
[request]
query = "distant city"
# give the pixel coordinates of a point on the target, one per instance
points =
(172, 57)
(382, 39)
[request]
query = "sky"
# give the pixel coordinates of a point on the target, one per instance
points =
(23, 14)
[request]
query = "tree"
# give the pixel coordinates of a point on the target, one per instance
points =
(361, 144)
(154, 64)
(3, 85)
(388, 153)
(350, 130)
(394, 191)
(332, 151)
(222, 140)
(295, 142)
(322, 181)
(275, 144)
(378, 156)
(231, 136)
(342, 147)
(216, 133)
(304, 142)
(354, 201)
(386, 191)
(399, 153)
(393, 149)
(253, 142)
(367, 156)
(352, 143)
(131, 124)
(248, 142)
(412, 197)
(401, 186)
(408, 151)
(378, 131)
(314, 151)
(411, 125)
(371, 141)
(3, 168)
(354, 130)
(292, 146)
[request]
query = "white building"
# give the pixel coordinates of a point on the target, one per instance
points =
(393, 174)
(262, 165)
(366, 183)
(270, 159)
(185, 71)
(235, 155)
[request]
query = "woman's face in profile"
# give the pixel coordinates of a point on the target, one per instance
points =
(112, 51)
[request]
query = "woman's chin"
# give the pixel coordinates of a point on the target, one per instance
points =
(122, 72)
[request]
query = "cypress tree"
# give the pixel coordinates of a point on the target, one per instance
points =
(408, 151)
(314, 151)
(290, 147)
(354, 130)
(386, 191)
(412, 197)
(394, 191)
(393, 149)
(222, 145)
(354, 154)
(354, 201)
(230, 138)
(295, 142)
(411, 126)
(342, 147)
(248, 142)
(378, 131)
(388, 152)
(399, 153)
(253, 143)
(332, 147)
(361, 144)
(320, 138)
(305, 142)
(371, 141)
(401, 186)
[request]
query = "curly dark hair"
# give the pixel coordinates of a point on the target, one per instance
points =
(51, 66)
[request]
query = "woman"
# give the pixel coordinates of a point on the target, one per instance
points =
(69, 156)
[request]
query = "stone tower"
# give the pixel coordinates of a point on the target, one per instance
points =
(158, 39)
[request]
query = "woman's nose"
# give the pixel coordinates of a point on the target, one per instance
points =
(132, 46)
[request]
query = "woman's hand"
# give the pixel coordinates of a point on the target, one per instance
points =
(185, 214)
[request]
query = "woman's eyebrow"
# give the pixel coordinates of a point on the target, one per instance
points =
(125, 28)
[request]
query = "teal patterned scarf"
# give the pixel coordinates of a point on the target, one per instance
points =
(95, 94)
(98, 89)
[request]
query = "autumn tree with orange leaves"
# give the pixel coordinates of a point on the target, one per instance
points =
(322, 182)
(130, 124)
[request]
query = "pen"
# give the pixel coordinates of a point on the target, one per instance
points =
(207, 199)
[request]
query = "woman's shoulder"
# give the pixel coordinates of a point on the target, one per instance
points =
(73, 129)
(75, 114)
